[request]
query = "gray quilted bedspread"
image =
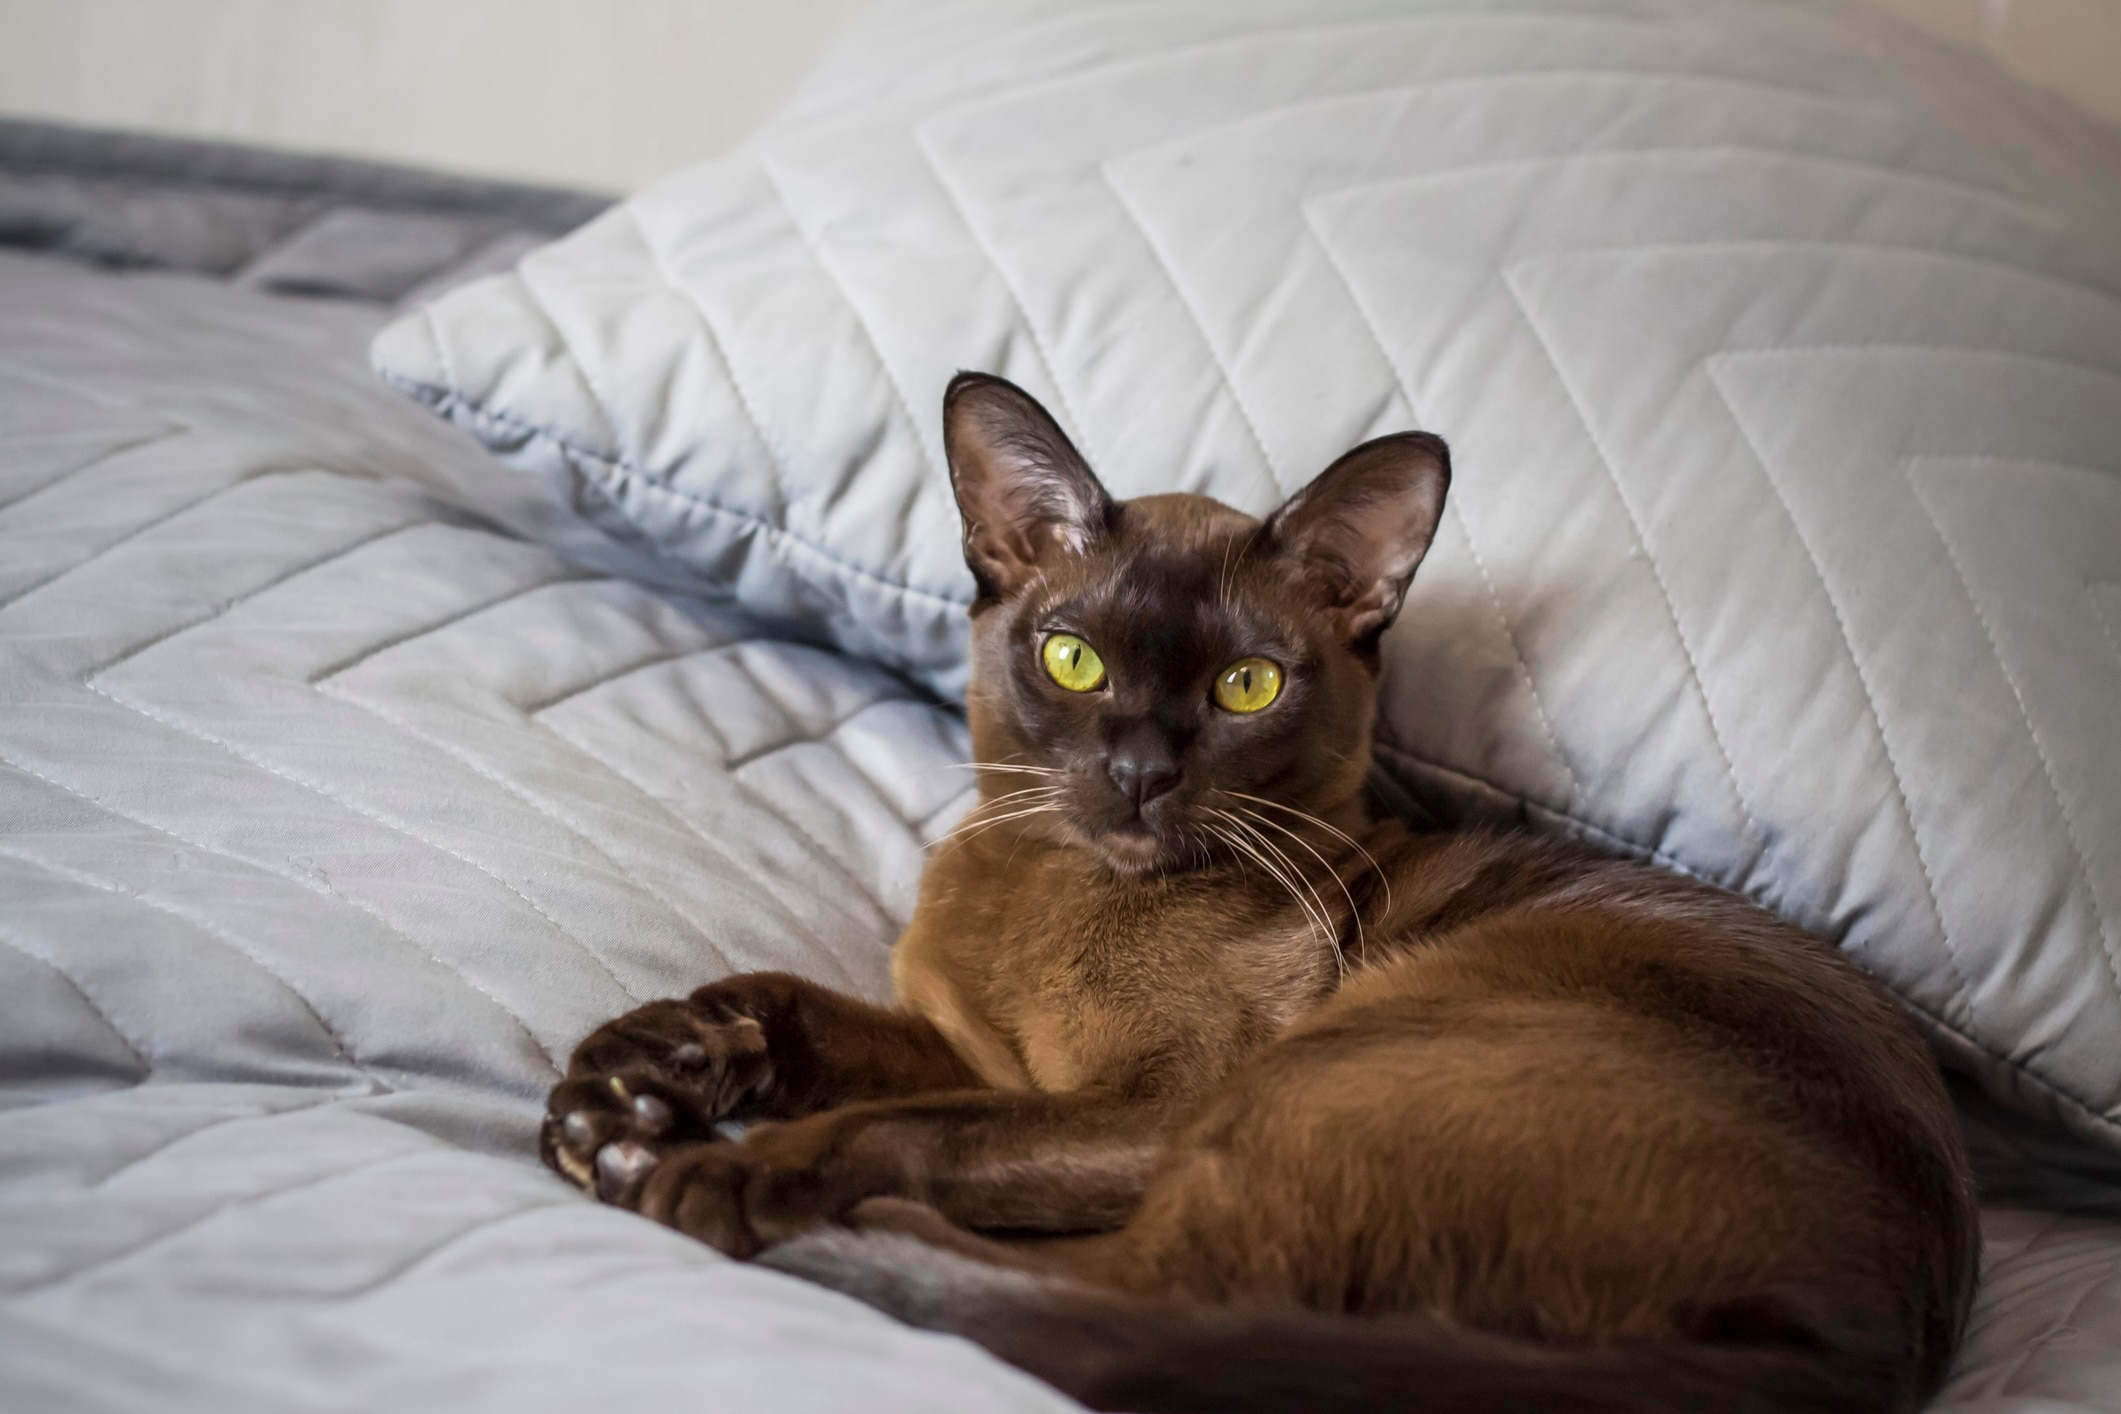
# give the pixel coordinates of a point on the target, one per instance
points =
(332, 812)
(331, 816)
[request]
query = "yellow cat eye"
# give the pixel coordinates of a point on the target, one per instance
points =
(1073, 663)
(1248, 685)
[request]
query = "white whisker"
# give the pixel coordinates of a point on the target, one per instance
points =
(925, 772)
(1354, 909)
(1005, 819)
(972, 827)
(1312, 923)
(1006, 796)
(972, 816)
(1339, 834)
(1318, 903)
(1290, 877)
(1002, 766)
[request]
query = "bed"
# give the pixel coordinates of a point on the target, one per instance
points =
(348, 777)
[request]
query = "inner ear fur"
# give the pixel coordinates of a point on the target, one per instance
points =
(1361, 528)
(1024, 493)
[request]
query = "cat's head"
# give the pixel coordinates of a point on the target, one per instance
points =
(1152, 668)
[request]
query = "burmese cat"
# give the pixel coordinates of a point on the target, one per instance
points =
(1204, 1092)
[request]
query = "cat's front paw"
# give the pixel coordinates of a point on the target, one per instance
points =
(665, 1073)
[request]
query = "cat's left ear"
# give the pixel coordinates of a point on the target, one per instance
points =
(1025, 494)
(1362, 527)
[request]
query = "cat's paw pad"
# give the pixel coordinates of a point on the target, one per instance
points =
(620, 1168)
(588, 1115)
(668, 1072)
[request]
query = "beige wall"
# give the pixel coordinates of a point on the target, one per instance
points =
(597, 93)
(600, 93)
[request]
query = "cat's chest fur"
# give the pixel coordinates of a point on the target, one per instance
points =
(1052, 973)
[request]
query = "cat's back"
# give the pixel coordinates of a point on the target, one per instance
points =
(1711, 1079)
(1532, 917)
(1494, 920)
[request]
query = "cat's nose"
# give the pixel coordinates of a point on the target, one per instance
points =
(1142, 765)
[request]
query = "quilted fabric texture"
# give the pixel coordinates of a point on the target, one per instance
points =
(331, 814)
(330, 818)
(1780, 350)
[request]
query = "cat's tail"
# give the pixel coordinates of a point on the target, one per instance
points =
(1115, 1352)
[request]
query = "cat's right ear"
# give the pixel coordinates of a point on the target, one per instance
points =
(1025, 494)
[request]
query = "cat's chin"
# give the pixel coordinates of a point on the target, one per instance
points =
(1136, 850)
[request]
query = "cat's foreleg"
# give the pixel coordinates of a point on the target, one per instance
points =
(986, 1159)
(760, 1045)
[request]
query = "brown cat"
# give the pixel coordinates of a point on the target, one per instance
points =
(1206, 1093)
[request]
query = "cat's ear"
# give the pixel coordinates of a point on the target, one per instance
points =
(1024, 492)
(1361, 528)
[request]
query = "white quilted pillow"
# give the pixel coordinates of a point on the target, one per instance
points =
(1780, 351)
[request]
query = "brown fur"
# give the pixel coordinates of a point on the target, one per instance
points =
(1188, 1110)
